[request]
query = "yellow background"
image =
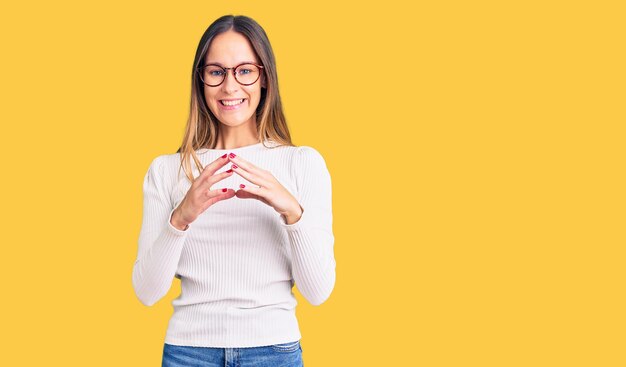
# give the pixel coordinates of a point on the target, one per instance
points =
(476, 150)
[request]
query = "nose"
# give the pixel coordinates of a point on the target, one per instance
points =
(230, 85)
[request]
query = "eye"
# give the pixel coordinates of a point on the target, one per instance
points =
(213, 70)
(244, 71)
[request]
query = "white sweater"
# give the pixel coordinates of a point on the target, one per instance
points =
(239, 260)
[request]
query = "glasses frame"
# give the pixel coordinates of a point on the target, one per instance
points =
(200, 71)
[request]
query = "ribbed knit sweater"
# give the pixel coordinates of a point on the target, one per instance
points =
(238, 261)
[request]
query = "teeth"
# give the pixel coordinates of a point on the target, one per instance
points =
(232, 103)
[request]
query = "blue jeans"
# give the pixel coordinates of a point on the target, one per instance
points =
(277, 355)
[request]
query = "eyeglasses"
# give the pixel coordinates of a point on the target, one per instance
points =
(214, 75)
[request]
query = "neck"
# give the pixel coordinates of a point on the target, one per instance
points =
(236, 142)
(236, 137)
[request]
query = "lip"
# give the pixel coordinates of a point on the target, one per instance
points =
(228, 108)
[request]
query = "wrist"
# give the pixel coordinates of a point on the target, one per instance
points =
(293, 216)
(177, 222)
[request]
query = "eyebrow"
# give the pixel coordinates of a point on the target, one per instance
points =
(242, 62)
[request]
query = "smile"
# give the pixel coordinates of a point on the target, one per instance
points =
(232, 103)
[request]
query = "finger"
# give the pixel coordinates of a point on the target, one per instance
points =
(212, 180)
(240, 162)
(251, 192)
(211, 168)
(213, 196)
(250, 176)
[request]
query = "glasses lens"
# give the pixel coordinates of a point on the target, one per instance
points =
(212, 75)
(247, 73)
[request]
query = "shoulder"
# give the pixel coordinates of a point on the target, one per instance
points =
(311, 175)
(164, 168)
(164, 162)
(307, 155)
(299, 155)
(309, 162)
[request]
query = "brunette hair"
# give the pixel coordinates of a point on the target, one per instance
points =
(202, 126)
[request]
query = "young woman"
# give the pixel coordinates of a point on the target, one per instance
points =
(249, 219)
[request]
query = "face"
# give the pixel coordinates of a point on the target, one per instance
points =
(230, 49)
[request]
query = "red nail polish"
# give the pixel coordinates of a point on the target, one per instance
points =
(224, 190)
(229, 171)
(224, 156)
(232, 155)
(234, 166)
(242, 186)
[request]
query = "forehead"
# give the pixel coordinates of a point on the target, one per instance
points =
(229, 49)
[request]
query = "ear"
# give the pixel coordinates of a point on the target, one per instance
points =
(263, 81)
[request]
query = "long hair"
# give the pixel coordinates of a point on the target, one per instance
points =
(202, 126)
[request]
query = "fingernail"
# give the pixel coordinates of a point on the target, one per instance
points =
(242, 186)
(234, 166)
(224, 156)
(224, 190)
(229, 171)
(232, 155)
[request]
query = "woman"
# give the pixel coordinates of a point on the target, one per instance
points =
(251, 217)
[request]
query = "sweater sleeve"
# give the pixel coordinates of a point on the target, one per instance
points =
(311, 237)
(160, 244)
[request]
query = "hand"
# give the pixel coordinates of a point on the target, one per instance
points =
(199, 197)
(270, 192)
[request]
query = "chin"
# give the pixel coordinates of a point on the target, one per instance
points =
(234, 122)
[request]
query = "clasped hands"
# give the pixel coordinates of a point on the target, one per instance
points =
(199, 197)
